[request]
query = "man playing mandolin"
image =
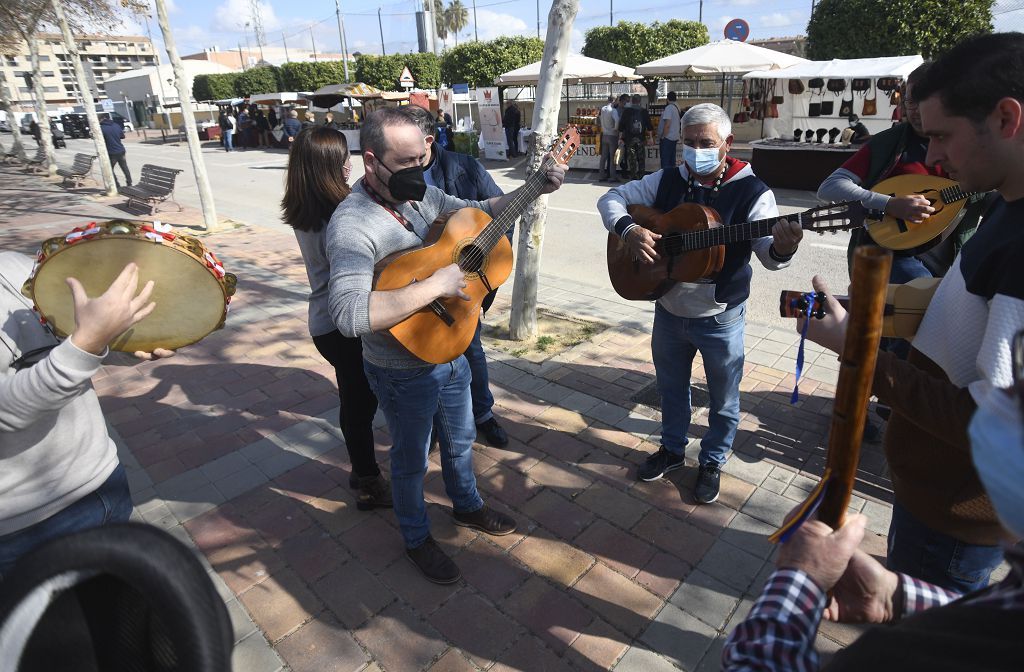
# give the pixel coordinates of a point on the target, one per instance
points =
(706, 316)
(391, 209)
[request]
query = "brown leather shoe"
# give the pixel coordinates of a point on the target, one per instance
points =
(486, 520)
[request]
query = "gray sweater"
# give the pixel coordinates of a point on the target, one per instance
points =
(313, 246)
(359, 235)
(54, 446)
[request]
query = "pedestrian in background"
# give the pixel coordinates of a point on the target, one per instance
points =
(113, 134)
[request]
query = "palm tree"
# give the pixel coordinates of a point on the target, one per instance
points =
(457, 18)
(440, 20)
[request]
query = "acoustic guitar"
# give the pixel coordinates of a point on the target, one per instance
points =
(943, 194)
(442, 330)
(904, 306)
(693, 239)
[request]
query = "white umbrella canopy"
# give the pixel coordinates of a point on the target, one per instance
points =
(839, 68)
(578, 68)
(715, 58)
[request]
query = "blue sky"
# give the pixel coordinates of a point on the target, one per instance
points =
(207, 23)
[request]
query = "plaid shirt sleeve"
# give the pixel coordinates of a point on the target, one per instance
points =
(779, 632)
(919, 595)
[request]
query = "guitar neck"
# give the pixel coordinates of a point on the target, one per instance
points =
(723, 235)
(522, 197)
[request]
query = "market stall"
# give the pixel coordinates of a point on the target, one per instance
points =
(815, 98)
(334, 94)
(578, 70)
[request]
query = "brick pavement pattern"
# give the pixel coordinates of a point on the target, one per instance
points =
(233, 446)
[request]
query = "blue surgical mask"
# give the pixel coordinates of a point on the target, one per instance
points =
(701, 161)
(997, 446)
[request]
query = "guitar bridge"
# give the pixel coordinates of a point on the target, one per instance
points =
(438, 309)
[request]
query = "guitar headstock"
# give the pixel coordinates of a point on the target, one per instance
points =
(842, 216)
(566, 144)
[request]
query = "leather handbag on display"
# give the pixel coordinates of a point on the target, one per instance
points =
(870, 107)
(740, 118)
(895, 97)
(860, 85)
(888, 84)
(773, 111)
(817, 84)
(846, 109)
(778, 100)
(796, 87)
(827, 108)
(814, 108)
(837, 86)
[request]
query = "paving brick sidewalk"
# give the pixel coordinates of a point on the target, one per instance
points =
(233, 446)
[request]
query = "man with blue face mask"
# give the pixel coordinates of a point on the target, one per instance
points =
(706, 316)
(390, 210)
(822, 574)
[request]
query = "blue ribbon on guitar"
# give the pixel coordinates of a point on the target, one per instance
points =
(809, 298)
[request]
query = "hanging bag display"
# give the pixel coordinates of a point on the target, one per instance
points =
(796, 87)
(870, 104)
(888, 84)
(860, 85)
(846, 109)
(814, 108)
(827, 107)
(837, 86)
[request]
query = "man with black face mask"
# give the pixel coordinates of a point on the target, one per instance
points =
(391, 209)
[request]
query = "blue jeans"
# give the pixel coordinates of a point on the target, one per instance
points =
(479, 386)
(229, 140)
(413, 400)
(674, 343)
(938, 558)
(109, 503)
(667, 152)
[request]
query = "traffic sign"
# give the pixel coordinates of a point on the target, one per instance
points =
(738, 30)
(107, 105)
(406, 79)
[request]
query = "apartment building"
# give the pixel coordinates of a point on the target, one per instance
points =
(102, 55)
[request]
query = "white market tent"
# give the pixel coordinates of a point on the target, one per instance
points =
(716, 58)
(578, 69)
(279, 98)
(793, 112)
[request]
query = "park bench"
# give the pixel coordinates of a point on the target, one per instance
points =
(155, 186)
(79, 169)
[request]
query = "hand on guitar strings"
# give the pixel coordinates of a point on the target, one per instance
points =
(99, 321)
(862, 589)
(556, 175)
(449, 282)
(641, 244)
(913, 208)
(830, 331)
(786, 236)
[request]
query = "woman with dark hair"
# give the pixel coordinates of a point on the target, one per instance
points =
(317, 181)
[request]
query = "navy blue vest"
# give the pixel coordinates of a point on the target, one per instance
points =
(733, 204)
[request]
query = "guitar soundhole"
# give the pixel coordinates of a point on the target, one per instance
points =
(471, 259)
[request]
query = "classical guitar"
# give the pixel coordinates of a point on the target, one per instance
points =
(943, 194)
(904, 306)
(693, 242)
(442, 330)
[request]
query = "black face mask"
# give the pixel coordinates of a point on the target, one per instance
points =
(406, 184)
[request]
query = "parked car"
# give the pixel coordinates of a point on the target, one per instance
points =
(125, 123)
(5, 126)
(76, 125)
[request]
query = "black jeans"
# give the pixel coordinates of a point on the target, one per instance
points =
(119, 160)
(358, 403)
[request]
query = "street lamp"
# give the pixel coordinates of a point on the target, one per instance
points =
(128, 109)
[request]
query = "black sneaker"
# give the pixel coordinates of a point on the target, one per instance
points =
(708, 479)
(434, 562)
(373, 492)
(659, 464)
(486, 520)
(493, 432)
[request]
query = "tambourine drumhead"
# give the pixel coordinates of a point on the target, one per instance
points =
(190, 301)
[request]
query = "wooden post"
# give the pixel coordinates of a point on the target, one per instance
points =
(106, 170)
(523, 320)
(191, 134)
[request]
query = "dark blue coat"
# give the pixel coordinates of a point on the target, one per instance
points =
(112, 135)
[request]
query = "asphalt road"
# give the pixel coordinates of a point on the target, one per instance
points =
(248, 186)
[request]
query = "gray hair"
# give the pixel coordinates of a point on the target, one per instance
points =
(371, 134)
(422, 118)
(709, 113)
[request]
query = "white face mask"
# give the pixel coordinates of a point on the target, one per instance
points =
(997, 446)
(702, 161)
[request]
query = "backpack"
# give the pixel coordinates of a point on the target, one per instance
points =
(636, 124)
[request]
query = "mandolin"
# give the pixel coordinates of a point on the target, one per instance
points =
(441, 331)
(944, 195)
(693, 242)
(904, 306)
